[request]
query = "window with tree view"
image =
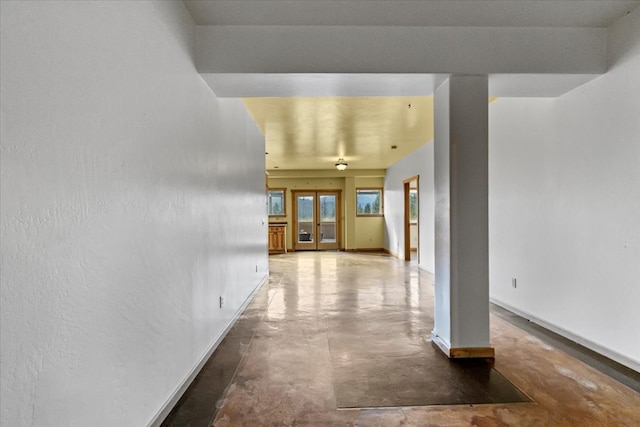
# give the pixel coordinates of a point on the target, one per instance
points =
(276, 202)
(368, 201)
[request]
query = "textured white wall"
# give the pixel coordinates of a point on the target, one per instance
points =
(565, 204)
(132, 198)
(420, 162)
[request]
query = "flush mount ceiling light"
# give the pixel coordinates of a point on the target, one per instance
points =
(341, 164)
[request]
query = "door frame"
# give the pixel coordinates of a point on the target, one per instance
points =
(407, 216)
(317, 245)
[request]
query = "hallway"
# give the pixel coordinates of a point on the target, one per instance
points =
(341, 338)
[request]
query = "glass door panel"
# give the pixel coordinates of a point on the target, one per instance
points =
(328, 230)
(305, 219)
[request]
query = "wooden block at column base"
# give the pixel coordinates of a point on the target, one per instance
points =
(463, 352)
(472, 353)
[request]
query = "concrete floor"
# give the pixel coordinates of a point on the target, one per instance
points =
(342, 339)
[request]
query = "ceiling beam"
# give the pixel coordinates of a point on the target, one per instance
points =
(358, 49)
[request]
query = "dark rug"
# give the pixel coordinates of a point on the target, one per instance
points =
(425, 378)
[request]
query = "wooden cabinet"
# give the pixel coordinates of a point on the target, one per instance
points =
(277, 238)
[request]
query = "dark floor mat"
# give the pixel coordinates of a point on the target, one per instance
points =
(422, 379)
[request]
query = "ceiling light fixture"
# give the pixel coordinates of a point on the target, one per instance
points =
(341, 164)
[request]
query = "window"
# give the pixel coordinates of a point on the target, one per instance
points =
(368, 201)
(413, 206)
(276, 201)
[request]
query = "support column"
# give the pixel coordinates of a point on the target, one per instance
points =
(461, 326)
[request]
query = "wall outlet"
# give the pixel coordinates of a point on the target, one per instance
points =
(514, 282)
(221, 301)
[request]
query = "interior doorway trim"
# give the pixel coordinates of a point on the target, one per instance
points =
(407, 215)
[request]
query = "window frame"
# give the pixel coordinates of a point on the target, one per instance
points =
(370, 190)
(284, 202)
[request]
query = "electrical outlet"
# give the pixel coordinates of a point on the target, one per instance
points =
(514, 282)
(221, 301)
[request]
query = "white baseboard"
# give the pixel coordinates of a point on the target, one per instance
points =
(442, 344)
(184, 385)
(611, 354)
(426, 270)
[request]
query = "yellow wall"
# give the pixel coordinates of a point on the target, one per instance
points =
(369, 231)
(357, 232)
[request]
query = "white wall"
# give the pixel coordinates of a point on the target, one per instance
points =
(420, 162)
(132, 198)
(565, 204)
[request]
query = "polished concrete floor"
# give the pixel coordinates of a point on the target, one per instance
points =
(342, 339)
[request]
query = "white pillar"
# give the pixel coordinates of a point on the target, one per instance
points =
(461, 327)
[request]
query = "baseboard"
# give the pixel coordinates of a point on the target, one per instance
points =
(390, 252)
(364, 250)
(425, 270)
(617, 357)
(164, 411)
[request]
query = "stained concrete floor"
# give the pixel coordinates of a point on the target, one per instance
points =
(342, 339)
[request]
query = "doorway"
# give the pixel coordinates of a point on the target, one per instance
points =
(316, 220)
(411, 219)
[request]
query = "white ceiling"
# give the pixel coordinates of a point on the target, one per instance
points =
(422, 13)
(456, 13)
(351, 125)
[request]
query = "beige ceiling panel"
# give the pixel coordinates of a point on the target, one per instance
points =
(313, 133)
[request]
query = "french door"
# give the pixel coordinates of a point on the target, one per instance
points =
(316, 220)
